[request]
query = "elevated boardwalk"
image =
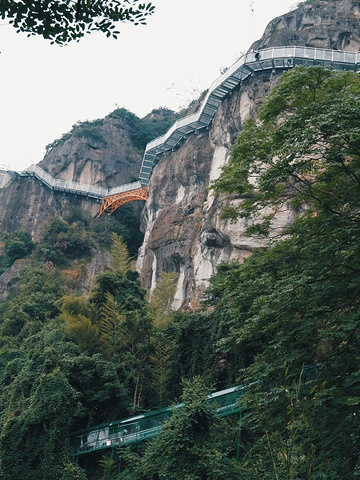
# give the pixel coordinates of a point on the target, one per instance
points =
(92, 191)
(111, 198)
(144, 426)
(277, 58)
(270, 59)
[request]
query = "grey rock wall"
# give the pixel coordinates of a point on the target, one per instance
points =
(319, 23)
(184, 232)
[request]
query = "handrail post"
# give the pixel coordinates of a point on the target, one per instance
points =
(239, 439)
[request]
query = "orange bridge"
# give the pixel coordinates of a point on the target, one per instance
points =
(112, 202)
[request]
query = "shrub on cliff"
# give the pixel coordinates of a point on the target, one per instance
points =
(17, 245)
(61, 241)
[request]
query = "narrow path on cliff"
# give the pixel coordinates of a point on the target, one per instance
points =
(269, 59)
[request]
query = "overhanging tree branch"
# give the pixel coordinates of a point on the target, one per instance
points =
(62, 21)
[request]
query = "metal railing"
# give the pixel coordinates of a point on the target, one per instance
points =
(76, 187)
(276, 58)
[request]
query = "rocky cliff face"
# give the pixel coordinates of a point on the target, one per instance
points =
(183, 229)
(318, 23)
(184, 232)
(98, 153)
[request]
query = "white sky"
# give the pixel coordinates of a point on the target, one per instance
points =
(45, 88)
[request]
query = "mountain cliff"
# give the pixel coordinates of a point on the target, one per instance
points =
(184, 231)
(105, 152)
(316, 23)
(99, 153)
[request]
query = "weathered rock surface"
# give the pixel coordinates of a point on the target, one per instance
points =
(106, 158)
(321, 23)
(184, 231)
(9, 279)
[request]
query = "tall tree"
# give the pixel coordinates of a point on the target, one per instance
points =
(125, 323)
(77, 317)
(161, 299)
(121, 261)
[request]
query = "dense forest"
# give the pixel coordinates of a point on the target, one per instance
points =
(285, 322)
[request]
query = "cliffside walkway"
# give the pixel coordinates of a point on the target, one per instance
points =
(144, 426)
(269, 59)
(111, 198)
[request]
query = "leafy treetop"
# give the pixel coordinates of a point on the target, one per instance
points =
(62, 21)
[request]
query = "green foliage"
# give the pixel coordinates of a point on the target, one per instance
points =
(161, 299)
(61, 21)
(18, 245)
(161, 359)
(125, 222)
(121, 261)
(88, 129)
(143, 130)
(108, 466)
(59, 369)
(125, 326)
(126, 335)
(32, 304)
(77, 215)
(101, 384)
(112, 324)
(126, 290)
(298, 158)
(297, 302)
(194, 352)
(77, 317)
(283, 452)
(61, 241)
(38, 437)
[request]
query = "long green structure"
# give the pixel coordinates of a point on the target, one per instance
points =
(144, 426)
